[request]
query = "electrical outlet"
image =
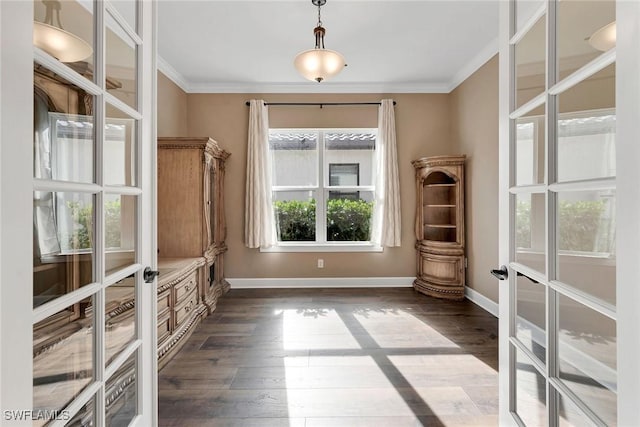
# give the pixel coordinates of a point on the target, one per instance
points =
(320, 263)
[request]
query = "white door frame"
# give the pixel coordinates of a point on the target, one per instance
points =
(147, 311)
(16, 207)
(628, 211)
(504, 172)
(16, 228)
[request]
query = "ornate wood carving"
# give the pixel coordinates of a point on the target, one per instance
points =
(439, 226)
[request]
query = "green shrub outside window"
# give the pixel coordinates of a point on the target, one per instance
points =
(579, 224)
(82, 235)
(347, 220)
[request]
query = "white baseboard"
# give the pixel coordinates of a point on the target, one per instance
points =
(482, 301)
(322, 282)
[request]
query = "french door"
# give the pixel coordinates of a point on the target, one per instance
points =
(569, 212)
(77, 318)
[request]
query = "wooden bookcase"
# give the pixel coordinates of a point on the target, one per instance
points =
(440, 226)
(191, 237)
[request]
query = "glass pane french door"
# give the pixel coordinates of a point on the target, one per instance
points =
(92, 213)
(562, 335)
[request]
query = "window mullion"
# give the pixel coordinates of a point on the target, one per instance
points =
(321, 214)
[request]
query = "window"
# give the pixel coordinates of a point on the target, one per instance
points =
(323, 185)
(344, 174)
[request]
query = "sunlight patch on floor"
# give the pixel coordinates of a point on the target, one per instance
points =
(392, 328)
(315, 329)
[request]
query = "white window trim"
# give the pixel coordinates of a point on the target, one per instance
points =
(323, 247)
(321, 191)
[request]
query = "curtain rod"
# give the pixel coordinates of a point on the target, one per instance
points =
(321, 104)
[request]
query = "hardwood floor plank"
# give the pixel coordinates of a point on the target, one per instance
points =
(335, 357)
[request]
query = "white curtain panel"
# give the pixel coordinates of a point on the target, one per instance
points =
(259, 229)
(386, 214)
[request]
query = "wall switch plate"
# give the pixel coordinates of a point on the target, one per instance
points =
(320, 263)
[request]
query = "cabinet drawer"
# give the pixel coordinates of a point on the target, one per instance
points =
(164, 300)
(164, 325)
(184, 309)
(185, 287)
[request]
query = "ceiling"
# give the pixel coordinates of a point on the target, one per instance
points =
(390, 46)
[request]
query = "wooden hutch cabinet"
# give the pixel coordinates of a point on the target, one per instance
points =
(191, 236)
(440, 226)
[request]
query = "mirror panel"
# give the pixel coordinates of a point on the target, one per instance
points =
(531, 328)
(63, 134)
(120, 231)
(587, 356)
(120, 148)
(66, 34)
(63, 255)
(531, 392)
(578, 23)
(128, 10)
(121, 64)
(121, 393)
(530, 231)
(530, 148)
(586, 258)
(530, 60)
(587, 128)
(525, 9)
(120, 316)
(62, 372)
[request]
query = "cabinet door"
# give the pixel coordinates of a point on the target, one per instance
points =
(214, 201)
(441, 269)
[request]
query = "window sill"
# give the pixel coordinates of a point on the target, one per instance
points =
(324, 247)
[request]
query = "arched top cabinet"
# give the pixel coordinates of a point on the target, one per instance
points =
(439, 225)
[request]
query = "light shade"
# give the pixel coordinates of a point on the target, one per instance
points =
(61, 44)
(319, 64)
(605, 38)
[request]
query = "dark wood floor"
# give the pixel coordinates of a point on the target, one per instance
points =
(335, 357)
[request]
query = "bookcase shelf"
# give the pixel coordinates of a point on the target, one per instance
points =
(440, 226)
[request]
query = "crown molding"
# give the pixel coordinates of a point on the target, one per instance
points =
(172, 74)
(472, 66)
(308, 87)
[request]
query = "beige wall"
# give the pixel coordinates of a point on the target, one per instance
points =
(172, 108)
(423, 129)
(464, 121)
(474, 132)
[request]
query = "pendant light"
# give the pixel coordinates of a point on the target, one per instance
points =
(605, 38)
(319, 64)
(53, 39)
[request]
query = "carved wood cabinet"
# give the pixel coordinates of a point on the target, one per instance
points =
(440, 226)
(191, 237)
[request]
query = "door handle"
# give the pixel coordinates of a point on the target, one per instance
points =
(524, 275)
(502, 273)
(150, 274)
